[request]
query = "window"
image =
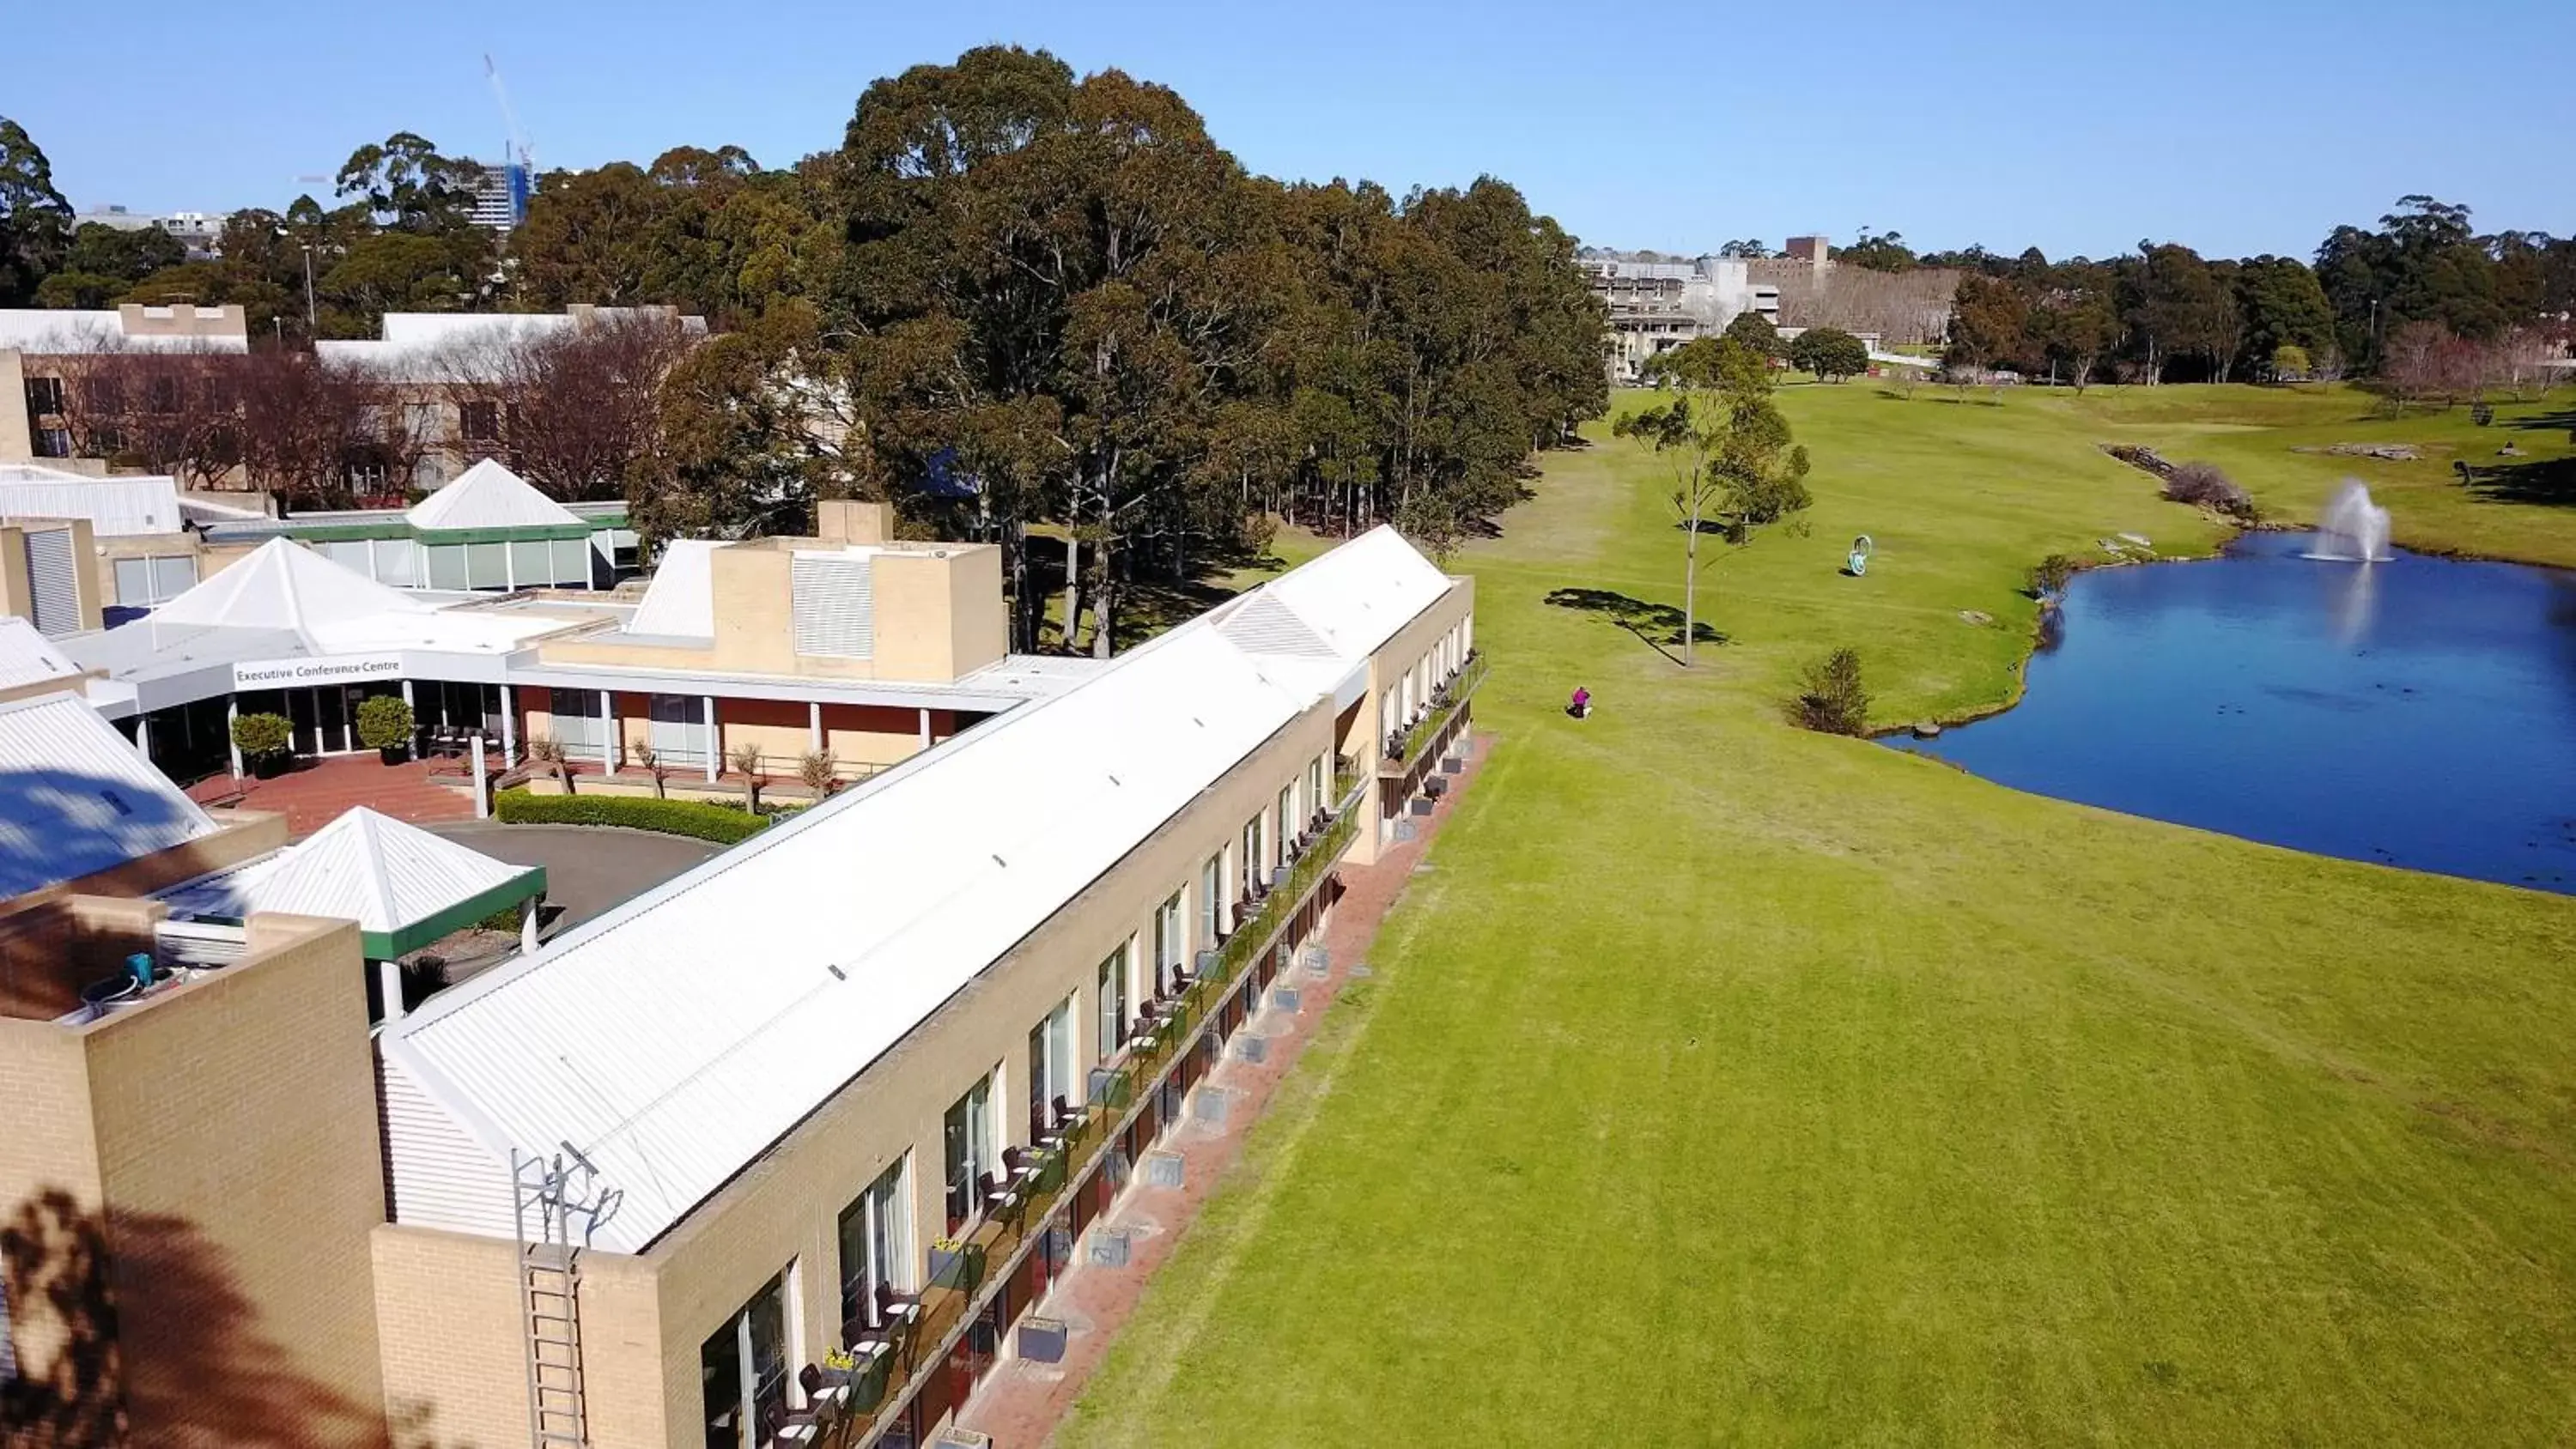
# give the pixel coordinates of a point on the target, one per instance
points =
(1315, 787)
(1050, 1067)
(532, 563)
(1113, 1002)
(53, 442)
(1211, 888)
(443, 566)
(876, 1242)
(8, 1347)
(572, 562)
(368, 478)
(106, 395)
(744, 1367)
(970, 1152)
(162, 393)
(1169, 947)
(44, 396)
(1287, 816)
(397, 561)
(479, 422)
(142, 583)
(1252, 857)
(487, 566)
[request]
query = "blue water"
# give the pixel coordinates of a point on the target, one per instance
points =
(2419, 712)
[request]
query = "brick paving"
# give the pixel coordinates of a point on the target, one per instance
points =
(1022, 1401)
(321, 791)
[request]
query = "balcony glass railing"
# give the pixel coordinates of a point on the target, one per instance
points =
(970, 1273)
(1404, 749)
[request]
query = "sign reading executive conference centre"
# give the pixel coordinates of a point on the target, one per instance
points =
(328, 669)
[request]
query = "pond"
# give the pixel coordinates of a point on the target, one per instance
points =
(2418, 712)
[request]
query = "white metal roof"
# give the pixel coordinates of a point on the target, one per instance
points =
(673, 1040)
(42, 331)
(1377, 584)
(680, 600)
(336, 610)
(488, 495)
(76, 798)
(27, 657)
(362, 867)
(114, 506)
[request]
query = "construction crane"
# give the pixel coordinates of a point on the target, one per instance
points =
(516, 150)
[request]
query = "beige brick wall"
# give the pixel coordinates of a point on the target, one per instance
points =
(1368, 728)
(238, 1154)
(48, 1164)
(455, 1368)
(786, 1208)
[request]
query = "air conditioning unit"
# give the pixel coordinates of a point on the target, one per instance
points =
(954, 1438)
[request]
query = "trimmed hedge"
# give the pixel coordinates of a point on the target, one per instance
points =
(700, 821)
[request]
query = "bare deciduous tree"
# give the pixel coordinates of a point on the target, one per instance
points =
(572, 409)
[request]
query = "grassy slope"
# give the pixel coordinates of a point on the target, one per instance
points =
(1726, 1082)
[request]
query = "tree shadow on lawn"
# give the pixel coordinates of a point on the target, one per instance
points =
(2550, 482)
(2563, 420)
(1655, 625)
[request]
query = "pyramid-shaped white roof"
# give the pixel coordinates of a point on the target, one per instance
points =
(402, 885)
(284, 585)
(488, 495)
(27, 657)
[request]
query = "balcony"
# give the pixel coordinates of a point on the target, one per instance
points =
(883, 1383)
(1405, 748)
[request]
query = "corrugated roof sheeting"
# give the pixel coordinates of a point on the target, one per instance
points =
(115, 507)
(674, 1040)
(27, 657)
(489, 495)
(76, 798)
(362, 867)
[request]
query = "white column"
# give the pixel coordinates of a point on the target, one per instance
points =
(482, 789)
(143, 734)
(814, 725)
(509, 728)
(411, 747)
(389, 985)
(925, 729)
(715, 741)
(232, 711)
(609, 749)
(528, 925)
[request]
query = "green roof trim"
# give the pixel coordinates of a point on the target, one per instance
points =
(387, 945)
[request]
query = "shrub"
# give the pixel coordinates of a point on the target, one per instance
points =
(2204, 486)
(746, 760)
(2482, 412)
(2050, 575)
(384, 722)
(700, 821)
(1831, 699)
(263, 736)
(816, 769)
(651, 762)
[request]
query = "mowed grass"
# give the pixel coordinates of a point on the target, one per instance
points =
(1719, 1082)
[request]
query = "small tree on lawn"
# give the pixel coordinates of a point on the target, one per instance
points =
(746, 761)
(652, 762)
(815, 769)
(1830, 697)
(1730, 451)
(1830, 353)
(2290, 363)
(2050, 576)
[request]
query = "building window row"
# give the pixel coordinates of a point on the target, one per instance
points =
(747, 1362)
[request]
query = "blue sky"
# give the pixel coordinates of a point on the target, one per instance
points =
(2239, 128)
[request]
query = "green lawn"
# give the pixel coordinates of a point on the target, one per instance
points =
(1720, 1082)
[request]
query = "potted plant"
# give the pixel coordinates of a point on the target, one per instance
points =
(266, 742)
(384, 726)
(747, 760)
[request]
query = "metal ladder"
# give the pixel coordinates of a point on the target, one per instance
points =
(550, 1300)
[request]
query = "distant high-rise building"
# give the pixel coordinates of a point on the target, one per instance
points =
(501, 196)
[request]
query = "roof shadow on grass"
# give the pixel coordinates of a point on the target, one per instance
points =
(1658, 626)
